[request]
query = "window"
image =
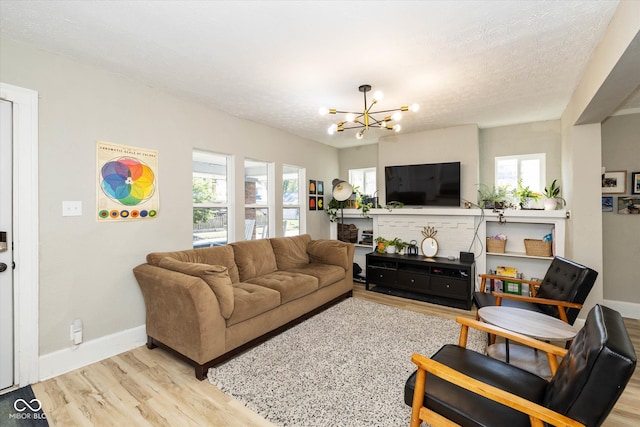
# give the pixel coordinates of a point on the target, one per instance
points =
(292, 196)
(530, 168)
(210, 199)
(257, 198)
(364, 180)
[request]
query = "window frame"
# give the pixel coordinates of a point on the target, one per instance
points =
(541, 157)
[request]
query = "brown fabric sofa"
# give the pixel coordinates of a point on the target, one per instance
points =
(209, 304)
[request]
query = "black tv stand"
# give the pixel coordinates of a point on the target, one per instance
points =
(435, 280)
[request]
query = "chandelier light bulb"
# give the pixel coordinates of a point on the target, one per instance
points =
(332, 129)
(396, 116)
(360, 134)
(378, 96)
(397, 128)
(324, 111)
(415, 108)
(350, 117)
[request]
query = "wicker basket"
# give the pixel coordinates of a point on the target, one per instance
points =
(348, 233)
(496, 246)
(535, 247)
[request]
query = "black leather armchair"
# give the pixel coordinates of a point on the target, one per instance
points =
(472, 389)
(561, 293)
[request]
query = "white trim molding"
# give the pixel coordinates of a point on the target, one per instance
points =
(66, 360)
(627, 309)
(25, 230)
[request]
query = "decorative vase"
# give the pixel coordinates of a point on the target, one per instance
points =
(550, 204)
(391, 249)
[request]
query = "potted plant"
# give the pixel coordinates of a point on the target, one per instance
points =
(381, 244)
(493, 197)
(552, 196)
(397, 245)
(525, 196)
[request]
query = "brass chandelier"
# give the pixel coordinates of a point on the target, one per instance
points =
(365, 119)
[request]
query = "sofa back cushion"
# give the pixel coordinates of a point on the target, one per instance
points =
(332, 252)
(216, 276)
(291, 252)
(218, 255)
(254, 258)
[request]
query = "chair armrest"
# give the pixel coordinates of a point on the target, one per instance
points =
(537, 414)
(560, 304)
(532, 283)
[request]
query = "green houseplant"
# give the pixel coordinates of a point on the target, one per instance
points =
(552, 196)
(525, 196)
(493, 197)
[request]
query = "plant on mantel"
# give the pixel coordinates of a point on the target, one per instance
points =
(552, 197)
(525, 196)
(493, 197)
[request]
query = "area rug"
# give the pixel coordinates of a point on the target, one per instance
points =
(343, 367)
(20, 408)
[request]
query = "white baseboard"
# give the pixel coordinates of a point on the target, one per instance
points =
(62, 361)
(626, 309)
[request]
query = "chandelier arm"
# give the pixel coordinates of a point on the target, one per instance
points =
(386, 111)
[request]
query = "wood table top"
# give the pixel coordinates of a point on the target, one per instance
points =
(526, 322)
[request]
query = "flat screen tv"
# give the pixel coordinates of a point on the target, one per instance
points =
(433, 184)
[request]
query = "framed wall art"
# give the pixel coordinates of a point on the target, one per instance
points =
(635, 182)
(629, 205)
(614, 182)
(607, 204)
(312, 186)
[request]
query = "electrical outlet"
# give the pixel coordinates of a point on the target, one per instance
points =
(71, 208)
(75, 332)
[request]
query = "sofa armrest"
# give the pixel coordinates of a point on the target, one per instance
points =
(334, 252)
(180, 309)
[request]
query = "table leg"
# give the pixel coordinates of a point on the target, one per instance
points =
(506, 349)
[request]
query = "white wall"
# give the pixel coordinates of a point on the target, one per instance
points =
(527, 138)
(85, 265)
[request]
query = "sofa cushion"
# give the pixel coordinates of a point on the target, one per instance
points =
(325, 273)
(219, 255)
(251, 300)
(290, 285)
(291, 252)
(329, 252)
(254, 258)
(216, 276)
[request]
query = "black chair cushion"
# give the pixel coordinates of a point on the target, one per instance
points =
(566, 280)
(595, 371)
(467, 408)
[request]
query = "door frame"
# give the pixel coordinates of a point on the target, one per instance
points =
(25, 231)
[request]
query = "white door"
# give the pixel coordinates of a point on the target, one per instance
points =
(6, 250)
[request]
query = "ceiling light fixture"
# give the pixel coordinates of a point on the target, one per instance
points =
(365, 119)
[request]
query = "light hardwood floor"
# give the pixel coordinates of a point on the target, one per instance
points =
(152, 388)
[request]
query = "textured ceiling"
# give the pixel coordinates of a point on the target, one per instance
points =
(492, 63)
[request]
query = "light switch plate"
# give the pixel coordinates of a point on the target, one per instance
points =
(72, 208)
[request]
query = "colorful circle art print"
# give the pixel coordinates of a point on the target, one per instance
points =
(127, 181)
